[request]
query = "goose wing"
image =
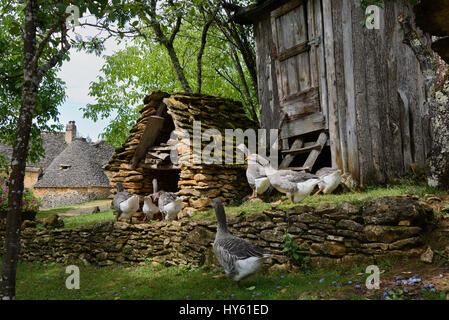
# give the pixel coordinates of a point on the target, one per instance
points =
(238, 248)
(325, 171)
(119, 198)
(165, 198)
(295, 176)
(231, 249)
(254, 171)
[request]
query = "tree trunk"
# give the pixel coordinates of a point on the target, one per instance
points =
(18, 161)
(437, 103)
(439, 165)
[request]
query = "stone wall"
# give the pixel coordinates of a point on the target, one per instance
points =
(56, 197)
(346, 234)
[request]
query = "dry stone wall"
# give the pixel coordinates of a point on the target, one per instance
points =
(346, 235)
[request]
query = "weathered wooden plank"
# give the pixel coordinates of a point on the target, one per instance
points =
(329, 98)
(290, 157)
(405, 128)
(302, 150)
(351, 125)
(302, 104)
(322, 138)
(286, 8)
(310, 123)
(267, 82)
(322, 81)
(312, 35)
(362, 115)
(294, 51)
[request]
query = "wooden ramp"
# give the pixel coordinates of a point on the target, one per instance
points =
(298, 147)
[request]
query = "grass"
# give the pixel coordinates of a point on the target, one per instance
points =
(40, 281)
(48, 212)
(316, 200)
(88, 219)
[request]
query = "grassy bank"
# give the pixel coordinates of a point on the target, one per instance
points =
(39, 281)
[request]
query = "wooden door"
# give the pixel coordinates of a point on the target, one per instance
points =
(297, 38)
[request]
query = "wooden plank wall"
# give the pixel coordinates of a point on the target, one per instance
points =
(380, 134)
(268, 91)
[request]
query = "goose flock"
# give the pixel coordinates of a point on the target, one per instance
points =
(126, 204)
(239, 258)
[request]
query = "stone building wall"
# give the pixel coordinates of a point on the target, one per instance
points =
(56, 197)
(345, 235)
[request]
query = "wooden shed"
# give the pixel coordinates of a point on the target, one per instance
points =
(340, 93)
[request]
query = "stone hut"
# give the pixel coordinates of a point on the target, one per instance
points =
(52, 143)
(76, 174)
(164, 129)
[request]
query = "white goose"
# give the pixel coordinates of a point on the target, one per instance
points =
(330, 180)
(149, 208)
(297, 185)
(125, 204)
(238, 257)
(256, 176)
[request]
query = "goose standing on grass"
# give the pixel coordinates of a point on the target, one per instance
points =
(330, 180)
(238, 257)
(169, 203)
(125, 204)
(297, 185)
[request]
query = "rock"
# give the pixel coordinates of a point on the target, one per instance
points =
(335, 249)
(427, 256)
(388, 234)
(350, 225)
(96, 210)
(392, 210)
(404, 223)
(28, 224)
(348, 182)
(400, 244)
(53, 221)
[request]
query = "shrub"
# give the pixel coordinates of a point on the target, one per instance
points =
(29, 201)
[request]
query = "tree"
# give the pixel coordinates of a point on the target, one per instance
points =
(165, 22)
(134, 71)
(43, 30)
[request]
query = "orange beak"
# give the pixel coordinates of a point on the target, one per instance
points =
(246, 159)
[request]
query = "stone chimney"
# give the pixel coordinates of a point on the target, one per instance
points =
(70, 132)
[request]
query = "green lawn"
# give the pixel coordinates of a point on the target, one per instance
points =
(39, 281)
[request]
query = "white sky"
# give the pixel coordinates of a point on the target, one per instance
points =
(78, 73)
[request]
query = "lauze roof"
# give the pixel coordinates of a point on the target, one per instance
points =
(78, 166)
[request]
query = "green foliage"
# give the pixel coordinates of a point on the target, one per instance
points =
(291, 250)
(129, 74)
(29, 201)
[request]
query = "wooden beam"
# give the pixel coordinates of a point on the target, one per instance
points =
(337, 147)
(290, 157)
(310, 123)
(351, 121)
(303, 150)
(251, 14)
(149, 136)
(316, 152)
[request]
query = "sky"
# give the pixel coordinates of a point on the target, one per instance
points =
(78, 73)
